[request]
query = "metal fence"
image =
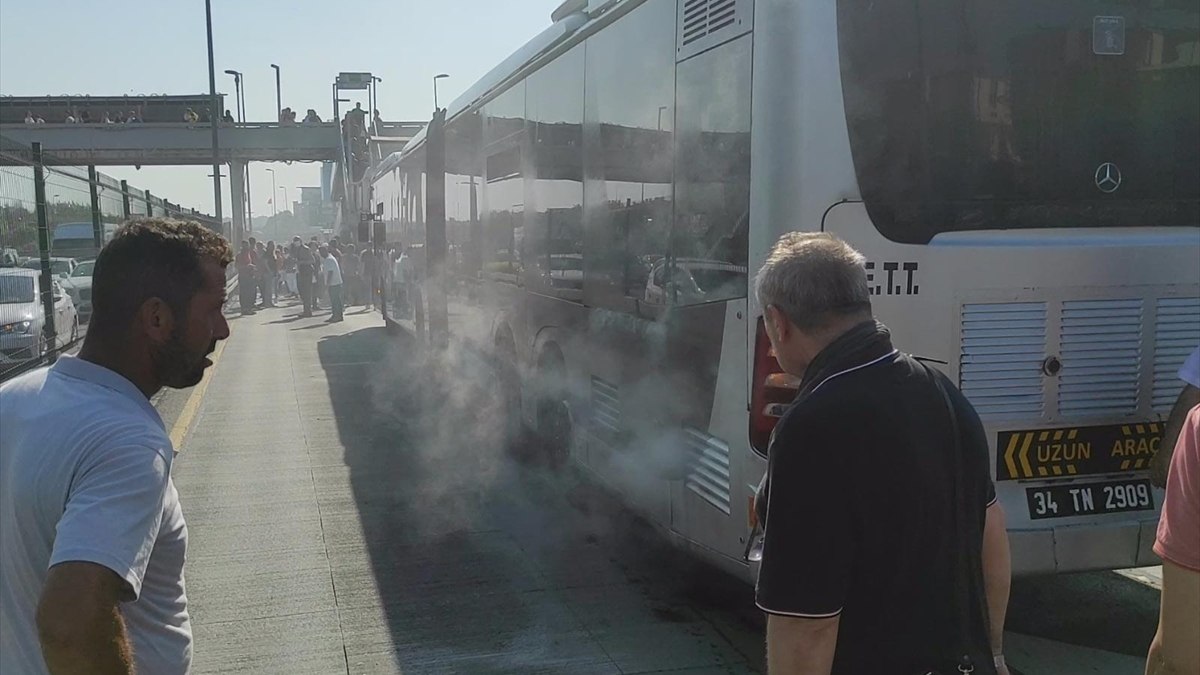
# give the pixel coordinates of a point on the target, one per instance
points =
(53, 222)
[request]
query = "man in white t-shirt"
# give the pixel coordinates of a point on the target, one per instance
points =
(92, 538)
(332, 272)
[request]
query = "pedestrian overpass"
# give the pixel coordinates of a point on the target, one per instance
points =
(178, 144)
(183, 144)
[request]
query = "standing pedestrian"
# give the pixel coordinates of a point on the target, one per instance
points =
(319, 287)
(289, 271)
(247, 278)
(92, 538)
(1176, 645)
(368, 274)
(264, 273)
(333, 279)
(305, 269)
(271, 279)
(257, 260)
(352, 275)
(884, 548)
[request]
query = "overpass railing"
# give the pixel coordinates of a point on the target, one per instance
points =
(178, 143)
(45, 301)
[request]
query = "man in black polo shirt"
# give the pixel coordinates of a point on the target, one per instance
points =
(869, 565)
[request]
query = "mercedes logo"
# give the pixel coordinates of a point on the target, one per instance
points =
(1108, 177)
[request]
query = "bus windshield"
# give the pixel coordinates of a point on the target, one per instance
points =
(1071, 114)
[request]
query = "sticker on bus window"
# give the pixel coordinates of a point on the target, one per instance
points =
(1108, 35)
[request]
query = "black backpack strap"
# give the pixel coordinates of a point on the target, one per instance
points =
(964, 526)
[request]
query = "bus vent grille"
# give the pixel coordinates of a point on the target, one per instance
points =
(1100, 344)
(704, 24)
(1003, 346)
(606, 407)
(707, 467)
(1176, 334)
(705, 17)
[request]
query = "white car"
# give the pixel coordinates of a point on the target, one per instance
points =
(79, 287)
(61, 267)
(22, 319)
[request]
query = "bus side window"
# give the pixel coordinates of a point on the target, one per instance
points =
(712, 175)
(628, 139)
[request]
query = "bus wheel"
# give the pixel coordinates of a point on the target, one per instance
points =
(554, 432)
(505, 390)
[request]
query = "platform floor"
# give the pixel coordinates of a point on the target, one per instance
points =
(344, 519)
(335, 528)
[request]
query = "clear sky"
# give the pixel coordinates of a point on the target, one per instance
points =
(115, 47)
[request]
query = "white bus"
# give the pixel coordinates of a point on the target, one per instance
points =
(1023, 178)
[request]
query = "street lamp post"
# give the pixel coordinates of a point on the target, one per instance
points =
(240, 104)
(274, 194)
(214, 116)
(286, 202)
(374, 100)
(435, 79)
(278, 95)
(237, 88)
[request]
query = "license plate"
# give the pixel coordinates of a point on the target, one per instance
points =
(1076, 451)
(1064, 501)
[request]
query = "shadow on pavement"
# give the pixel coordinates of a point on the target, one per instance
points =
(1101, 610)
(482, 564)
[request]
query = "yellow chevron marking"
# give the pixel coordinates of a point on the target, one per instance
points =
(1058, 435)
(1125, 465)
(1071, 469)
(1073, 433)
(1009, 462)
(1024, 455)
(1042, 471)
(1044, 436)
(1057, 470)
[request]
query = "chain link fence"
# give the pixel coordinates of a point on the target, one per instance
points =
(53, 222)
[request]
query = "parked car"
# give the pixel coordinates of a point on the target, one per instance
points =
(79, 287)
(62, 267)
(22, 319)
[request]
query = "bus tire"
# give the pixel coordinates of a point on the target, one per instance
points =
(554, 432)
(506, 388)
(554, 423)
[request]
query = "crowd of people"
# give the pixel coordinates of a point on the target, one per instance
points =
(332, 274)
(287, 117)
(72, 116)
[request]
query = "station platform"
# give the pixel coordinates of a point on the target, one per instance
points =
(338, 523)
(349, 511)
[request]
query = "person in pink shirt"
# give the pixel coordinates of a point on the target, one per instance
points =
(1174, 649)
